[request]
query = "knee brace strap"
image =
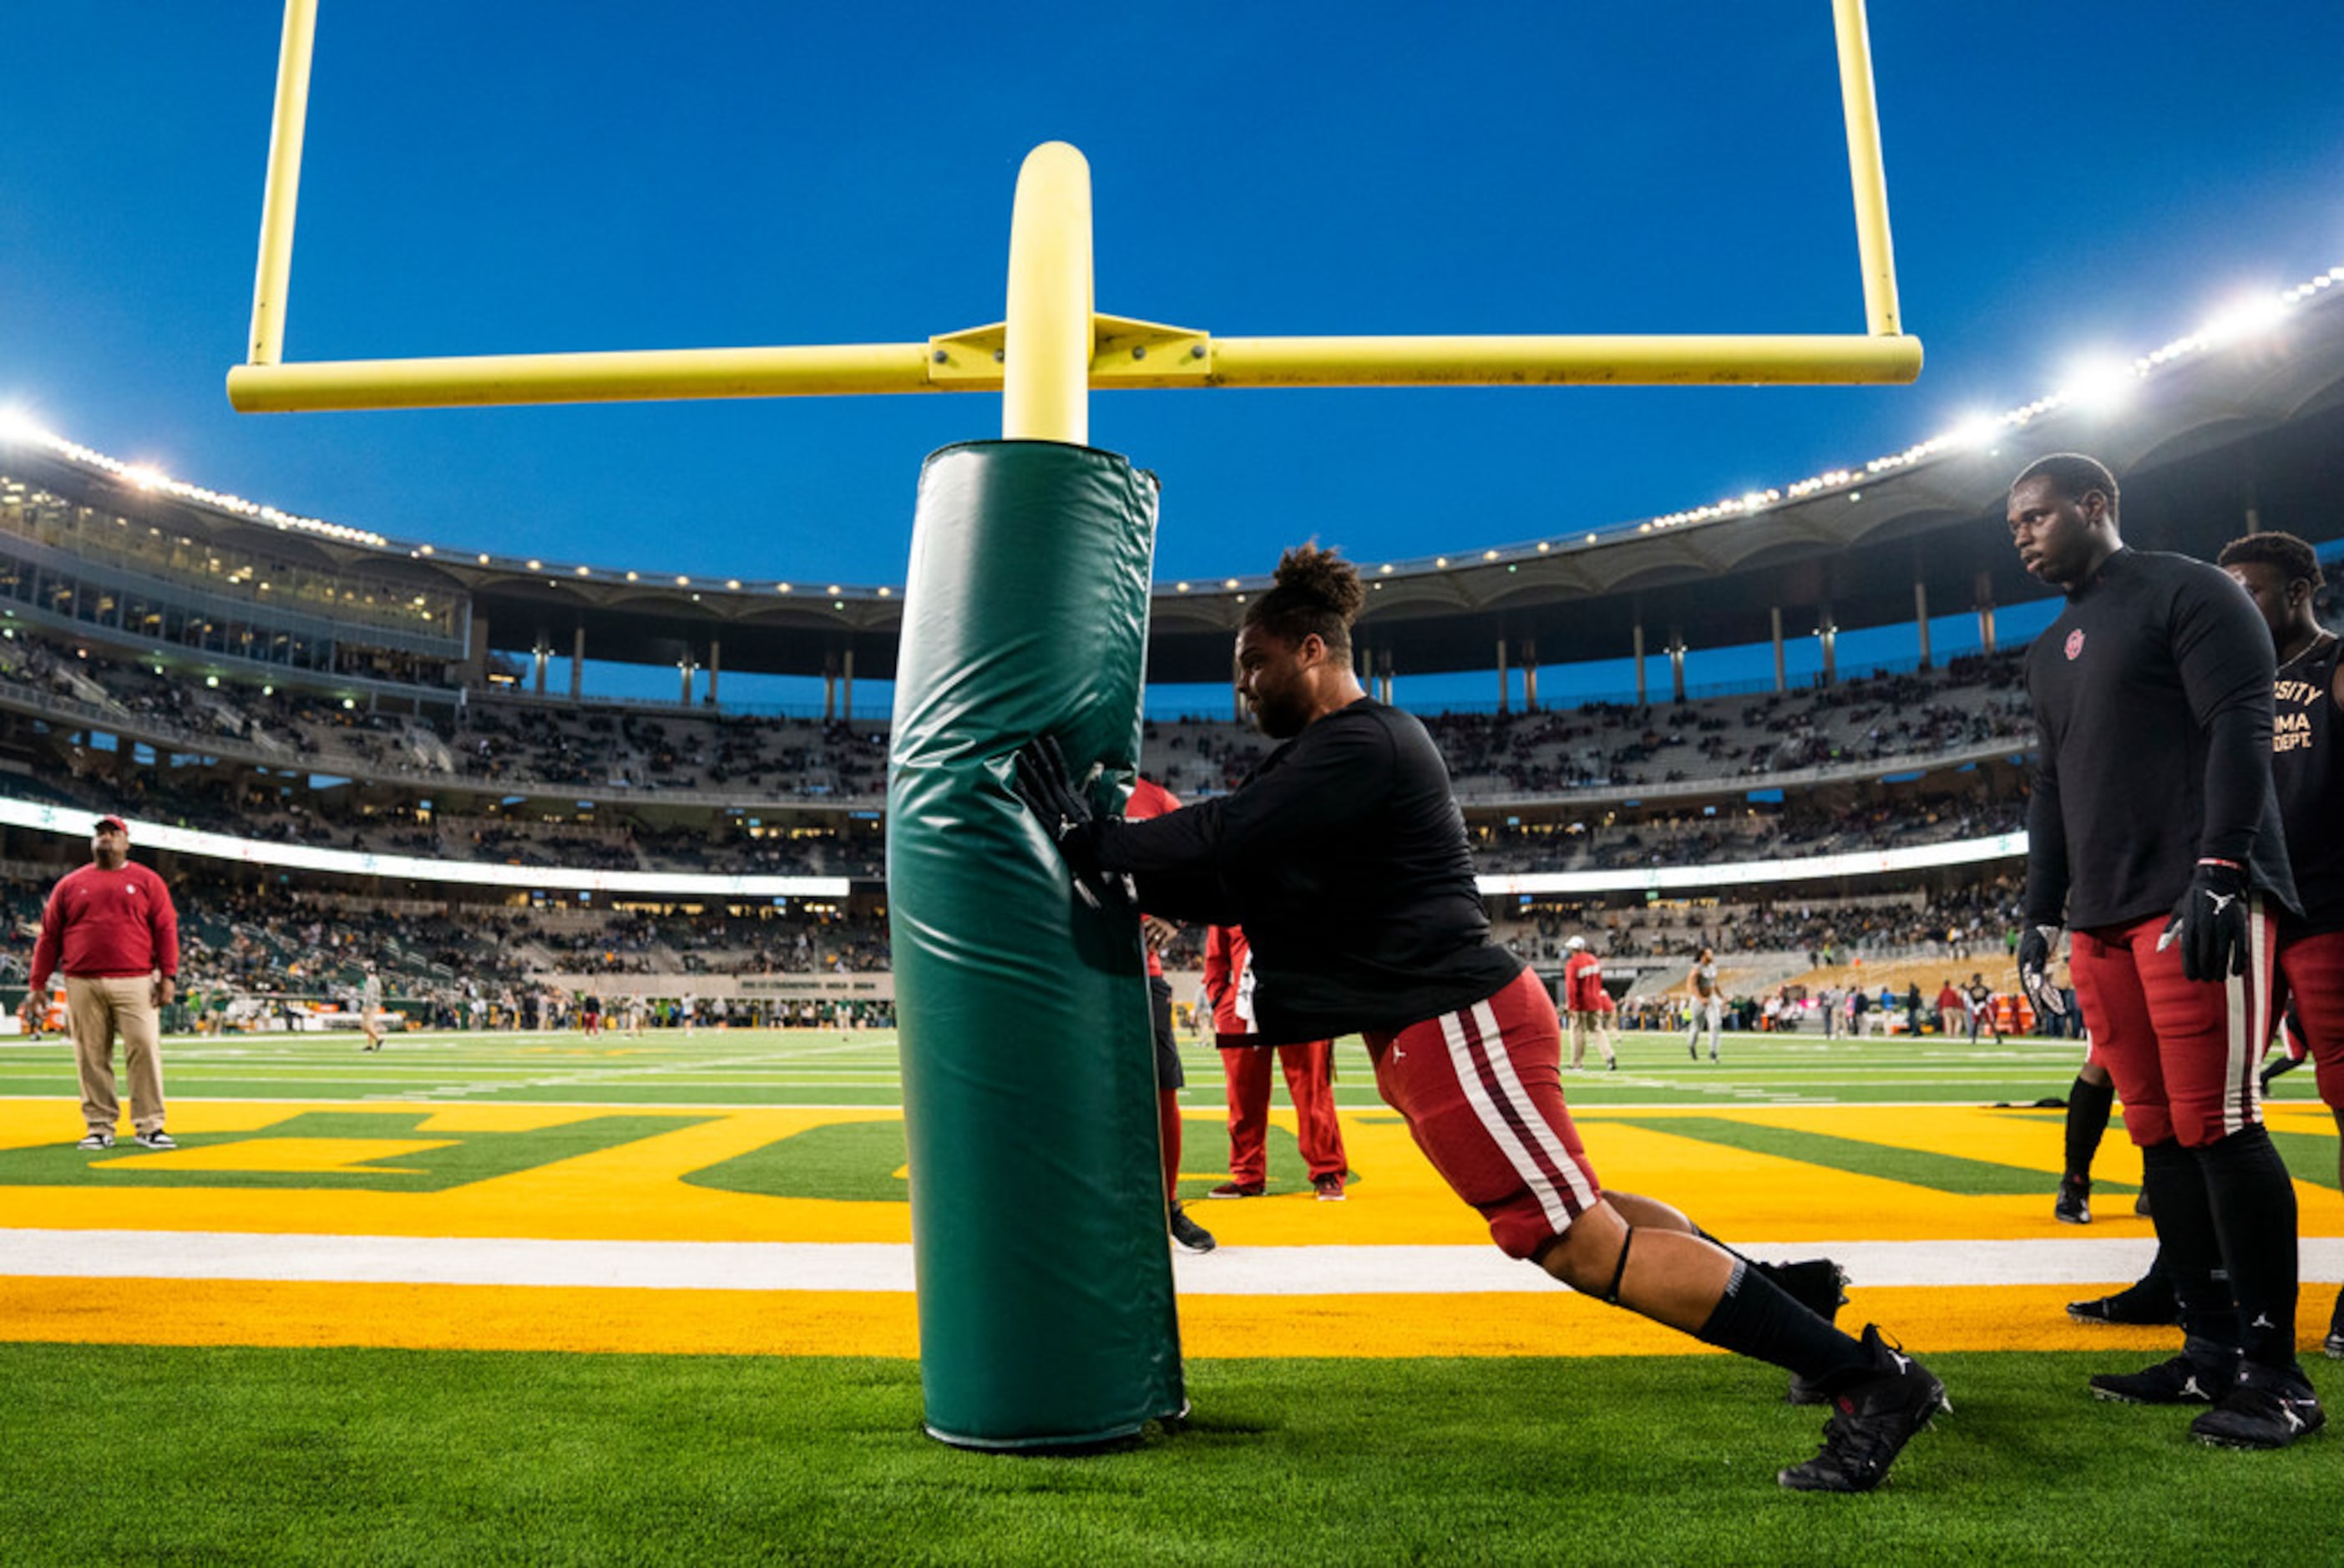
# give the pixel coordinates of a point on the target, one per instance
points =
(1620, 1271)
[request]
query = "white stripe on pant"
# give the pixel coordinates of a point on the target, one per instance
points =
(1551, 1202)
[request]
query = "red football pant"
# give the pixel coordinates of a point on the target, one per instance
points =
(1309, 1080)
(2182, 1052)
(1481, 1091)
(2313, 968)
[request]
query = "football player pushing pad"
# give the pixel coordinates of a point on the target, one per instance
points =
(1344, 856)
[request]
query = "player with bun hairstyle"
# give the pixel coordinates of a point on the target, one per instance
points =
(1344, 856)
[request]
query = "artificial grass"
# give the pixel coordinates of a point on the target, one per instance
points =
(804, 1066)
(130, 1454)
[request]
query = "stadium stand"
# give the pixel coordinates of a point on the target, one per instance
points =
(208, 663)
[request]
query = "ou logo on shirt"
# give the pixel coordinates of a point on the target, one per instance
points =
(2076, 642)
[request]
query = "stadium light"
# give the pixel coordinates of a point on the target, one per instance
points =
(2248, 317)
(1976, 430)
(2098, 385)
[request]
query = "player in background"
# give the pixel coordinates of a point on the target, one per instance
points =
(1309, 1069)
(1704, 1002)
(1979, 996)
(1150, 799)
(2282, 576)
(370, 1009)
(1583, 999)
(2155, 835)
(1343, 853)
(2292, 1054)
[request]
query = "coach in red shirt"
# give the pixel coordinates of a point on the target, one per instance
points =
(112, 925)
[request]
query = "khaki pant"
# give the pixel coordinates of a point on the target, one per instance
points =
(1584, 1023)
(99, 1007)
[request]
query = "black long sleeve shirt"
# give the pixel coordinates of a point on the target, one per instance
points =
(2153, 693)
(2308, 771)
(1343, 855)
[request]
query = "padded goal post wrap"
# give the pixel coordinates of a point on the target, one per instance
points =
(1045, 1301)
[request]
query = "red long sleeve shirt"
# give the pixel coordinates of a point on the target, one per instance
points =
(108, 923)
(1583, 977)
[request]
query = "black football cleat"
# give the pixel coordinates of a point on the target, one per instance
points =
(2074, 1204)
(2200, 1375)
(1191, 1236)
(1874, 1414)
(1819, 1285)
(2146, 1303)
(2268, 1407)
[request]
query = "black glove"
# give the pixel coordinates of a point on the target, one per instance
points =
(2036, 946)
(2210, 922)
(1042, 781)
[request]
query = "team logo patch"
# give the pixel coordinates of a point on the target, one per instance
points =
(2076, 642)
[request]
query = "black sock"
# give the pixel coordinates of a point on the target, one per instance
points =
(2087, 1120)
(2149, 1299)
(1755, 1318)
(2253, 1202)
(2184, 1218)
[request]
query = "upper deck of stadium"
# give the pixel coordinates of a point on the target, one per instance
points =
(2234, 427)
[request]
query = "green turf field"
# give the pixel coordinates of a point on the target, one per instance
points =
(237, 1456)
(140, 1454)
(813, 1067)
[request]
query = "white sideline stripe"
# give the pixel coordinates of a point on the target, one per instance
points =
(885, 1266)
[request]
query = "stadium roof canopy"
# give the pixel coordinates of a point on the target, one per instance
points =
(2244, 420)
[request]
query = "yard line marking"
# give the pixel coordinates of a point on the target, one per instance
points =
(1338, 1270)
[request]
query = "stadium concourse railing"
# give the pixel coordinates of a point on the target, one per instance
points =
(45, 816)
(16, 696)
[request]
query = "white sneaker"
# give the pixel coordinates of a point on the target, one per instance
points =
(157, 1139)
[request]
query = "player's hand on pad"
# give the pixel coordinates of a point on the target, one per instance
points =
(2036, 946)
(2210, 922)
(1042, 781)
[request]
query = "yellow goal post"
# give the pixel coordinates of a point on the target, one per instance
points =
(1054, 346)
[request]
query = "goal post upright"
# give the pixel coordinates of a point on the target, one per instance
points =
(1025, 1045)
(273, 273)
(1116, 353)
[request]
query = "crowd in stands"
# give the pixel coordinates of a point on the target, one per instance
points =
(787, 780)
(272, 940)
(1972, 701)
(533, 742)
(1962, 923)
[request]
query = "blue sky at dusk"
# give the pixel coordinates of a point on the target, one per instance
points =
(2064, 180)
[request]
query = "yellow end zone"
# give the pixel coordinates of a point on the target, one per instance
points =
(637, 1191)
(885, 1323)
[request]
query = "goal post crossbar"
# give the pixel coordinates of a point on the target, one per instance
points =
(1038, 356)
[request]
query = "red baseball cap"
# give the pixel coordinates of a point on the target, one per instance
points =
(112, 824)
